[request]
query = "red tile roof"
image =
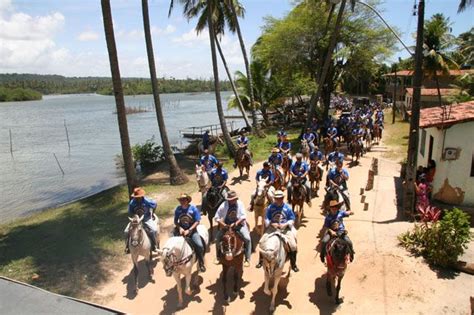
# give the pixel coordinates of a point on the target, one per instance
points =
(431, 92)
(409, 73)
(458, 113)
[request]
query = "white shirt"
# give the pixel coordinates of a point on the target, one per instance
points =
(221, 213)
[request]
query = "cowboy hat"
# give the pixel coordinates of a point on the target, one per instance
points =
(299, 155)
(138, 193)
(334, 203)
(232, 195)
(275, 150)
(279, 194)
(184, 196)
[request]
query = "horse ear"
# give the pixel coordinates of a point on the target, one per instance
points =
(130, 219)
(140, 219)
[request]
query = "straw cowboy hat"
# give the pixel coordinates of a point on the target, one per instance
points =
(185, 196)
(275, 150)
(138, 192)
(334, 203)
(232, 195)
(279, 194)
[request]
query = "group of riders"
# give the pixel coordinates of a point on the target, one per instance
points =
(279, 215)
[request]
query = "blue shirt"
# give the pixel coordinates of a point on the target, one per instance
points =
(185, 218)
(316, 155)
(285, 145)
(335, 176)
(279, 214)
(276, 159)
(309, 137)
(146, 204)
(243, 140)
(263, 173)
(332, 157)
(208, 161)
(218, 177)
(330, 219)
(299, 168)
(205, 138)
(332, 131)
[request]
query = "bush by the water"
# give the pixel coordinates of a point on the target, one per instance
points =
(148, 155)
(18, 94)
(440, 242)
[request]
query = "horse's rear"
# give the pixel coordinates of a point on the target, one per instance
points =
(243, 163)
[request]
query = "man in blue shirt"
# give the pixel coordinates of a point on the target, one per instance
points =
(280, 217)
(280, 135)
(299, 169)
(338, 177)
(332, 134)
(275, 158)
(285, 146)
(335, 156)
(314, 125)
(334, 226)
(205, 140)
(243, 144)
(311, 138)
(219, 178)
(209, 161)
(264, 174)
(186, 219)
(317, 157)
(142, 206)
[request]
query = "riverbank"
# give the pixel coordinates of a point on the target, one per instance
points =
(18, 94)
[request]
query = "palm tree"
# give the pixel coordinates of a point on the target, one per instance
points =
(464, 4)
(118, 93)
(177, 177)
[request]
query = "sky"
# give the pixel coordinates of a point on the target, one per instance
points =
(66, 36)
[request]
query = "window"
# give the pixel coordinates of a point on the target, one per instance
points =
(423, 142)
(472, 165)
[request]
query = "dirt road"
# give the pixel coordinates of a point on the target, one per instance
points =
(383, 279)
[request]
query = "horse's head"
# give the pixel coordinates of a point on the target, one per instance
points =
(213, 195)
(270, 249)
(171, 254)
(136, 230)
(230, 245)
(201, 175)
(339, 251)
(261, 187)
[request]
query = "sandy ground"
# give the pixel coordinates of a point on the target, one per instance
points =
(383, 279)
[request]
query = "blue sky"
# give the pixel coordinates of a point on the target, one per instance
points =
(66, 36)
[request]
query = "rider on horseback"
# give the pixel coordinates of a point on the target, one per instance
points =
(209, 161)
(335, 156)
(142, 206)
(219, 178)
(299, 169)
(243, 144)
(231, 215)
(280, 135)
(265, 173)
(285, 146)
(311, 138)
(334, 226)
(280, 217)
(186, 219)
(337, 177)
(332, 134)
(317, 157)
(358, 135)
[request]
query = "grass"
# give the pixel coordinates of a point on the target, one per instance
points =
(395, 136)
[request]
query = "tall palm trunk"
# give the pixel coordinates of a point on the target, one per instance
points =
(247, 68)
(220, 111)
(229, 75)
(118, 93)
(438, 88)
(177, 177)
(327, 61)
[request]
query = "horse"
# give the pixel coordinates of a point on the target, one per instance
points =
(232, 256)
(332, 193)
(356, 149)
(178, 259)
(314, 176)
(337, 258)
(285, 165)
(263, 196)
(298, 197)
(243, 161)
(368, 138)
(210, 202)
(279, 182)
(140, 245)
(273, 254)
(202, 179)
(305, 149)
(328, 146)
(376, 133)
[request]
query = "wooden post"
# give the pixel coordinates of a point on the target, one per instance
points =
(366, 206)
(362, 199)
(11, 142)
(57, 161)
(67, 137)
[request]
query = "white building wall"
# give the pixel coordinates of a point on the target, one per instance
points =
(460, 136)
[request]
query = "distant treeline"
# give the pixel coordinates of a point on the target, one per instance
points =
(18, 94)
(57, 84)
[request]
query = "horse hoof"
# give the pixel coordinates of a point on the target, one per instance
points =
(272, 309)
(339, 301)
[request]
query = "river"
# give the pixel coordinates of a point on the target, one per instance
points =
(31, 179)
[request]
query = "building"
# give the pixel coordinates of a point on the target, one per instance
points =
(429, 97)
(447, 137)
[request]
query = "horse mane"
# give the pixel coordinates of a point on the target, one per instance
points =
(270, 252)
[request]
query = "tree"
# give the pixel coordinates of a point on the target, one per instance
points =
(118, 93)
(463, 4)
(177, 177)
(464, 89)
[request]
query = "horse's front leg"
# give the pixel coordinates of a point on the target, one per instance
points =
(274, 293)
(177, 278)
(224, 282)
(329, 284)
(135, 274)
(238, 272)
(338, 289)
(266, 290)
(187, 288)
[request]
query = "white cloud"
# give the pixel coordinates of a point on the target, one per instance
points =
(88, 36)
(191, 38)
(139, 34)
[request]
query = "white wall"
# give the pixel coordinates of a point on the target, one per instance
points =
(456, 171)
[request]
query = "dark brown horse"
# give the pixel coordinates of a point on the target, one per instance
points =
(243, 161)
(232, 256)
(337, 258)
(377, 133)
(285, 165)
(314, 176)
(328, 146)
(298, 197)
(356, 149)
(279, 182)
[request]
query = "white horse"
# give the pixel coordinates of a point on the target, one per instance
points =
(263, 197)
(202, 179)
(179, 258)
(274, 256)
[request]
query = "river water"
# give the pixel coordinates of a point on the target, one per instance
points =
(31, 179)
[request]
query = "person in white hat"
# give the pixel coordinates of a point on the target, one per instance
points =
(280, 217)
(231, 215)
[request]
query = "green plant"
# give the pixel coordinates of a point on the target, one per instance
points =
(441, 242)
(148, 155)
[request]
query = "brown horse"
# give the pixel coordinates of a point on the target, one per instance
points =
(243, 161)
(298, 197)
(279, 182)
(263, 197)
(314, 176)
(356, 149)
(232, 250)
(377, 133)
(337, 259)
(305, 149)
(285, 165)
(328, 146)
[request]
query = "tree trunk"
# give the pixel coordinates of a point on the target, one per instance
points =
(247, 69)
(220, 111)
(229, 75)
(177, 177)
(118, 93)
(394, 101)
(327, 61)
(439, 90)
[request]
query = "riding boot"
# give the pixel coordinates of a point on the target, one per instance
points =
(322, 255)
(200, 257)
(292, 255)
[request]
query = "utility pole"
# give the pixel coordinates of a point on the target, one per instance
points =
(394, 96)
(409, 189)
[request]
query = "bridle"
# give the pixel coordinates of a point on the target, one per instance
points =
(229, 241)
(138, 228)
(175, 261)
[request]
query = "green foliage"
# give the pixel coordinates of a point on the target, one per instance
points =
(148, 155)
(442, 242)
(18, 94)
(464, 89)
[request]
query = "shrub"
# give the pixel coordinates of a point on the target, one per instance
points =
(440, 242)
(148, 155)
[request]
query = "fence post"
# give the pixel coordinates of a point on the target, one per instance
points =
(11, 142)
(67, 137)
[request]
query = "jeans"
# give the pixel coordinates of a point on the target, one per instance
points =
(244, 233)
(197, 241)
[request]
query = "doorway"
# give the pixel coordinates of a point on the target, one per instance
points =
(430, 150)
